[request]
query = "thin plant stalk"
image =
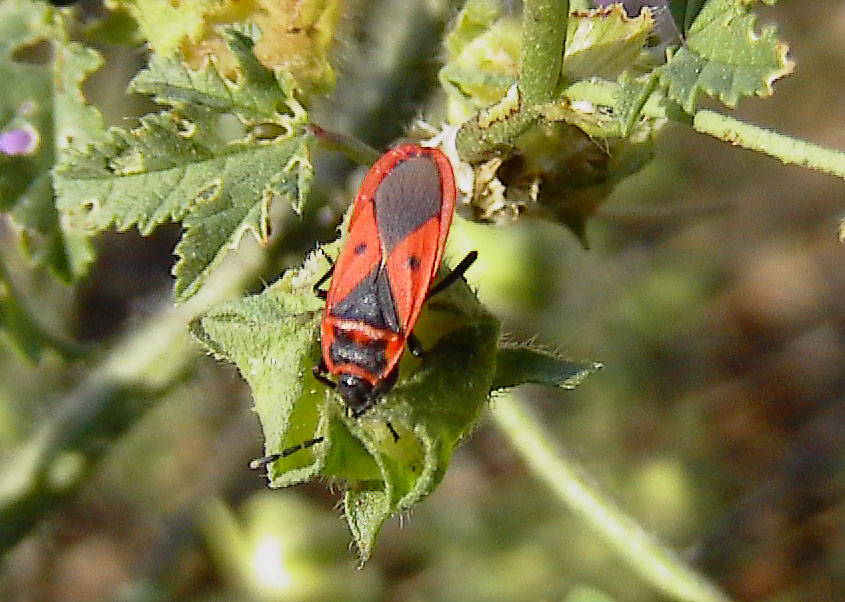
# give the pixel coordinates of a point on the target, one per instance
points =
(656, 563)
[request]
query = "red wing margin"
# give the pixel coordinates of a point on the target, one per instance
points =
(361, 254)
(395, 241)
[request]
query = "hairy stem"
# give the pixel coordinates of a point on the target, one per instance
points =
(787, 149)
(494, 130)
(541, 54)
(355, 150)
(656, 563)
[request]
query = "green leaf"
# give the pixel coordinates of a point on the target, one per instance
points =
(483, 57)
(45, 101)
(77, 126)
(215, 160)
(272, 338)
(525, 365)
(725, 57)
(684, 12)
(604, 42)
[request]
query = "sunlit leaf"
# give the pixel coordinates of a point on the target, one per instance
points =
(298, 35)
(483, 57)
(215, 160)
(604, 42)
(724, 56)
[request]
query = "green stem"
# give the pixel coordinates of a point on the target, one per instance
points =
(26, 331)
(493, 131)
(61, 454)
(356, 150)
(655, 562)
(541, 54)
(787, 149)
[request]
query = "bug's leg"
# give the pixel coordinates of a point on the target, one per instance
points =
(393, 432)
(317, 290)
(320, 371)
(414, 345)
(259, 462)
(453, 276)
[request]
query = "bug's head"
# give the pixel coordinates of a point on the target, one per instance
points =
(356, 392)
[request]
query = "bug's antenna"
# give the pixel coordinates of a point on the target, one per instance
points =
(259, 462)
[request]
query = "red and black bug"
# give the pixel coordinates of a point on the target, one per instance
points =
(383, 275)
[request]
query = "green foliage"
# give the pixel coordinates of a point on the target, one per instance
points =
(604, 43)
(610, 76)
(47, 102)
(272, 338)
(46, 105)
(231, 138)
(725, 57)
(215, 160)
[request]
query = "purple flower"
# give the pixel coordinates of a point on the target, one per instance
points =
(20, 141)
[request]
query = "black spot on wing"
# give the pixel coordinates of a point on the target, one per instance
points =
(370, 302)
(407, 198)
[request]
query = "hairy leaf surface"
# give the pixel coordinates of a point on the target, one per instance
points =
(724, 56)
(214, 160)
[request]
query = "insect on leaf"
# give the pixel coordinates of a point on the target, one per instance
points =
(272, 338)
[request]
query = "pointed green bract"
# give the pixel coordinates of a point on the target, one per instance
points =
(215, 160)
(525, 365)
(725, 57)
